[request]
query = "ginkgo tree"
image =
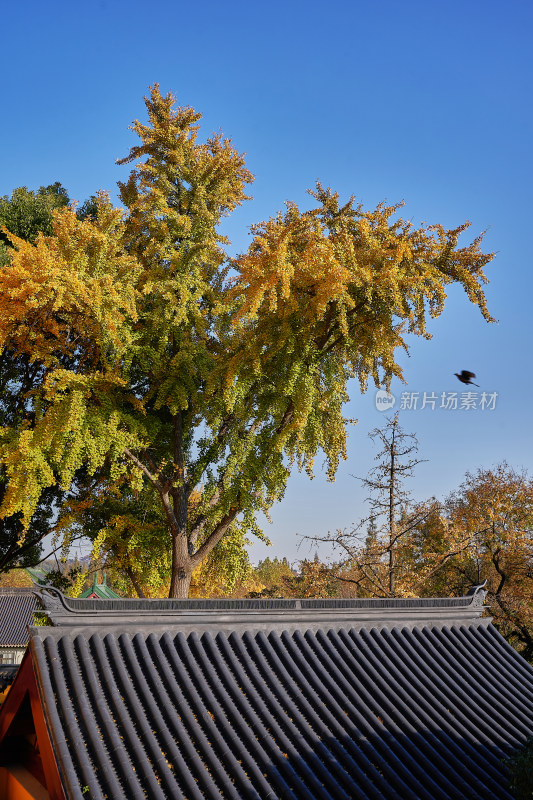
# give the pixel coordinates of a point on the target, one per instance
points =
(166, 361)
(25, 213)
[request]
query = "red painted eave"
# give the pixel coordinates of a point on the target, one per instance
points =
(12, 711)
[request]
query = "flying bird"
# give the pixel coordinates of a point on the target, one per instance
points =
(466, 377)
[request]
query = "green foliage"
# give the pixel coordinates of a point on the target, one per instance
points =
(312, 579)
(273, 571)
(166, 363)
(520, 766)
(127, 529)
(19, 548)
(27, 213)
(63, 579)
(276, 576)
(88, 209)
(226, 567)
(41, 619)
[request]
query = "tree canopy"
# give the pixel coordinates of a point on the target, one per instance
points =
(481, 533)
(26, 213)
(164, 361)
(493, 510)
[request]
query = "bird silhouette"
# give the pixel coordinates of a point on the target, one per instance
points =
(466, 377)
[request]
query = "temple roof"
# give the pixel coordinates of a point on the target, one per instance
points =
(101, 590)
(400, 699)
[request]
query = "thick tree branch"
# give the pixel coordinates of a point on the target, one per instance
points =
(200, 523)
(286, 419)
(163, 494)
(207, 458)
(503, 577)
(136, 585)
(212, 541)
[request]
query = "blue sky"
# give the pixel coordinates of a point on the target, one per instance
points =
(422, 101)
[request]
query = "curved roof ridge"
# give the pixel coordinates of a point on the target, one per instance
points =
(271, 612)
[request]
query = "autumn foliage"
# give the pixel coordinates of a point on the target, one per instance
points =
(168, 366)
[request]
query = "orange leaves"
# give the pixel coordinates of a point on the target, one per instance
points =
(69, 292)
(68, 303)
(496, 506)
(292, 266)
(343, 275)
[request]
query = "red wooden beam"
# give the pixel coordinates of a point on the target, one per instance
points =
(25, 685)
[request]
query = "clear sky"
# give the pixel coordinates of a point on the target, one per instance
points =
(425, 101)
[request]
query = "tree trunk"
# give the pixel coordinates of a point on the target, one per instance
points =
(180, 581)
(181, 560)
(392, 531)
(180, 585)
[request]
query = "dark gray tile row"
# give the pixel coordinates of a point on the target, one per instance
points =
(16, 613)
(423, 713)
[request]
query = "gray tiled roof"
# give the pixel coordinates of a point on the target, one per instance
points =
(16, 613)
(347, 710)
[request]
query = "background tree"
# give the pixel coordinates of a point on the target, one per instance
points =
(403, 547)
(15, 579)
(227, 570)
(275, 577)
(314, 579)
(311, 578)
(379, 566)
(273, 572)
(163, 366)
(389, 497)
(482, 532)
(26, 213)
(492, 512)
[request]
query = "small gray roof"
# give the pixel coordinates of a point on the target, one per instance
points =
(16, 614)
(271, 704)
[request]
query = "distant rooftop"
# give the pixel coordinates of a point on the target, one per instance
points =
(16, 614)
(100, 590)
